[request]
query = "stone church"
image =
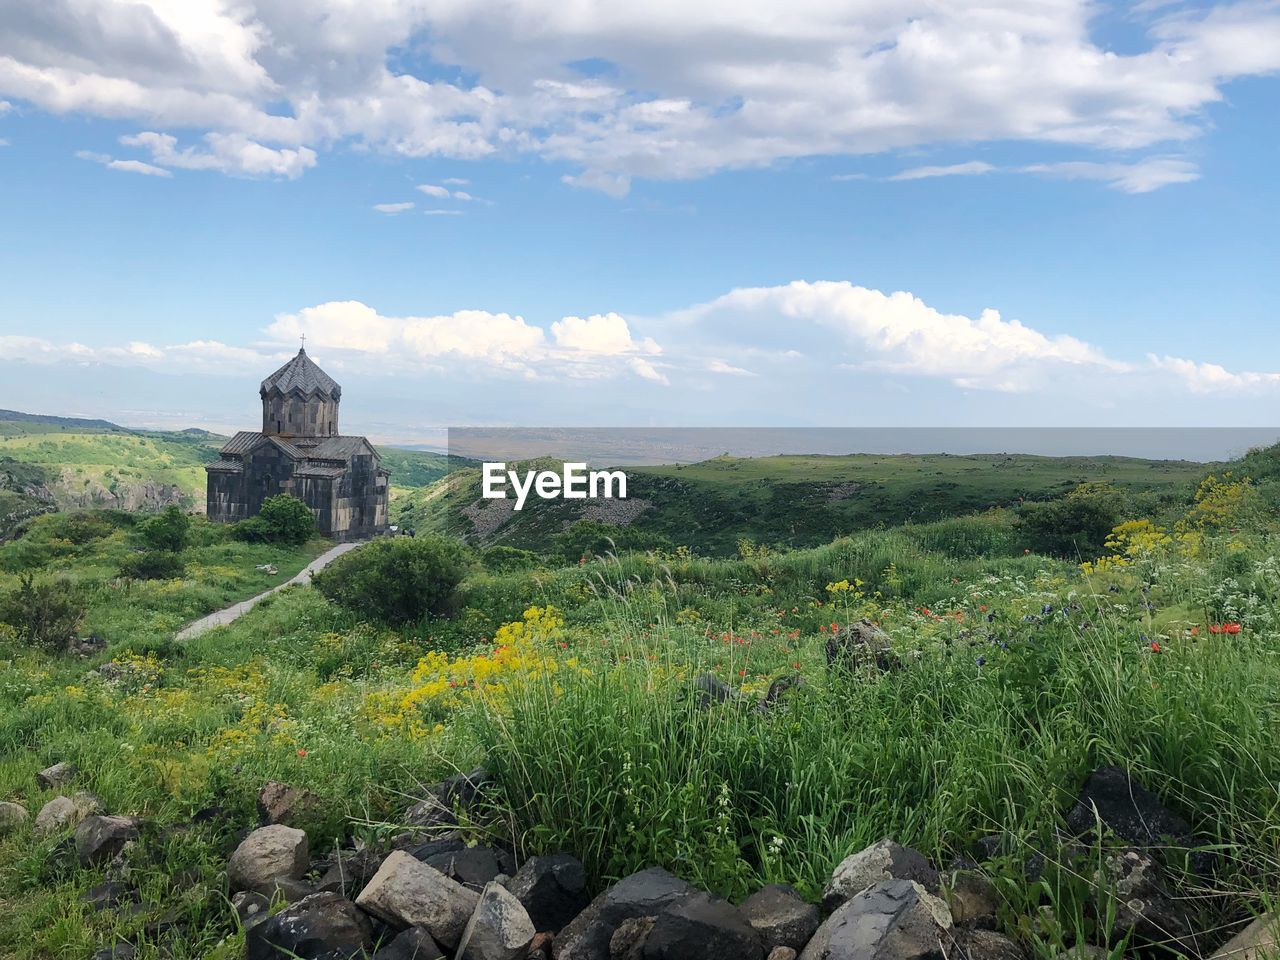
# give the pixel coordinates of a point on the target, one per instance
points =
(300, 452)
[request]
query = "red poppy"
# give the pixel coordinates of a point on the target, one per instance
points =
(1155, 647)
(301, 752)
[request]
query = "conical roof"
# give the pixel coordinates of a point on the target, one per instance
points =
(302, 375)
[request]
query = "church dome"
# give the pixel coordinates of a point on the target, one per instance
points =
(301, 376)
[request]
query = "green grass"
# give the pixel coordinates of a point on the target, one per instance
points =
(799, 501)
(1019, 676)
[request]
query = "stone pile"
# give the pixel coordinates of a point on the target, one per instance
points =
(431, 896)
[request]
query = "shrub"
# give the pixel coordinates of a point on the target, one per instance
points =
(500, 559)
(591, 538)
(399, 579)
(153, 565)
(1075, 526)
(86, 526)
(167, 531)
(282, 519)
(43, 612)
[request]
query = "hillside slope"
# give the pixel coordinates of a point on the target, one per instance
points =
(788, 500)
(49, 462)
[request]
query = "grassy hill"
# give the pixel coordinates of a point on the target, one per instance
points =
(49, 462)
(792, 501)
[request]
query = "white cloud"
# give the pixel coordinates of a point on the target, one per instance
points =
(577, 346)
(954, 170)
(599, 334)
(791, 336)
(1212, 377)
(393, 207)
(431, 190)
(894, 332)
(456, 181)
(227, 153)
(1140, 177)
(719, 366)
(128, 166)
(442, 213)
(694, 88)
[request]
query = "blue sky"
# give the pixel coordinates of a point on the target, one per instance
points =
(890, 213)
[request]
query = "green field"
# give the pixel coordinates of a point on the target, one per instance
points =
(799, 501)
(1011, 675)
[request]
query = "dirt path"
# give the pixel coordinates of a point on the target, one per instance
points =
(227, 614)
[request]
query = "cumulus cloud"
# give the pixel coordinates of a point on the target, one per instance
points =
(606, 334)
(265, 84)
(393, 207)
(577, 346)
(1212, 377)
(230, 153)
(895, 332)
(439, 212)
(431, 190)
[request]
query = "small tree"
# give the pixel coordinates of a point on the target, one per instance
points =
(166, 531)
(282, 519)
(398, 580)
(43, 612)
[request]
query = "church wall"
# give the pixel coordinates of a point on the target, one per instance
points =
(294, 416)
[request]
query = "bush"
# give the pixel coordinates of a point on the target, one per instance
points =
(502, 559)
(153, 565)
(282, 519)
(1075, 526)
(398, 580)
(167, 531)
(45, 613)
(587, 539)
(86, 526)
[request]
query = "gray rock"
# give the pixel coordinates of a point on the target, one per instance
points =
(281, 803)
(861, 644)
(885, 860)
(412, 944)
(406, 892)
(55, 776)
(99, 838)
(972, 898)
(267, 854)
(349, 871)
(643, 894)
(323, 926)
(704, 926)
(499, 928)
(471, 866)
(12, 816)
(553, 889)
(781, 953)
(63, 812)
(986, 945)
(627, 942)
(893, 920)
(1132, 813)
(1136, 884)
(781, 917)
(1258, 941)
